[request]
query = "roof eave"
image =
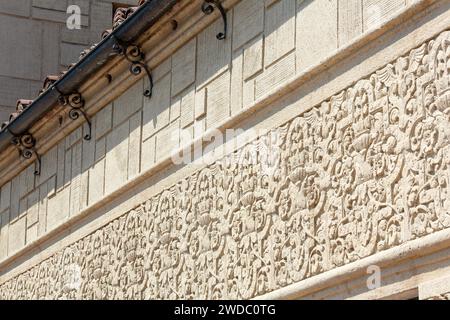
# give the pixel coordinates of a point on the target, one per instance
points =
(143, 19)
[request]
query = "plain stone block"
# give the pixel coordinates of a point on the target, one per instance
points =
(199, 128)
(116, 169)
(274, 76)
(70, 53)
(67, 167)
(77, 36)
(350, 20)
(103, 121)
(375, 12)
(157, 109)
(49, 165)
(187, 108)
(33, 208)
(248, 21)
(15, 7)
(128, 103)
(218, 100)
(58, 208)
(100, 149)
(175, 109)
(162, 70)
(167, 141)
(74, 137)
(88, 153)
(24, 39)
(148, 153)
(50, 48)
(31, 233)
(237, 67)
(60, 165)
(17, 235)
(5, 196)
(200, 103)
(248, 92)
(4, 232)
(96, 182)
(183, 67)
(134, 153)
(15, 197)
(253, 58)
(279, 30)
(75, 185)
(59, 5)
(214, 56)
(12, 89)
(434, 288)
(44, 193)
(316, 31)
(56, 16)
(100, 18)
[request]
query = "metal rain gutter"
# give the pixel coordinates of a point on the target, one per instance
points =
(145, 17)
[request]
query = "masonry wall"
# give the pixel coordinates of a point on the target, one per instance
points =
(270, 42)
(36, 42)
(201, 85)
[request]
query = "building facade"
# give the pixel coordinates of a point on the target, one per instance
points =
(36, 42)
(286, 150)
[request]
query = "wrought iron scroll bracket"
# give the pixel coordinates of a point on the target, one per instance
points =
(136, 57)
(208, 8)
(26, 145)
(76, 104)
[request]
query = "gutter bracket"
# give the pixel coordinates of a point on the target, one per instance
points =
(26, 145)
(208, 8)
(135, 55)
(76, 104)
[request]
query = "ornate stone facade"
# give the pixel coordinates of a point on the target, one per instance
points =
(364, 171)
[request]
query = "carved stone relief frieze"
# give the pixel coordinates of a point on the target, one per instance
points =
(364, 171)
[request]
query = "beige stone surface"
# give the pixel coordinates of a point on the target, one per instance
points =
(213, 56)
(317, 32)
(279, 30)
(117, 143)
(157, 110)
(253, 58)
(183, 67)
(339, 181)
(438, 289)
(188, 101)
(248, 21)
(350, 20)
(218, 100)
(17, 230)
(362, 168)
(379, 11)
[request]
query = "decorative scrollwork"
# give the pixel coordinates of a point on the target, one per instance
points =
(136, 56)
(76, 103)
(361, 172)
(26, 144)
(208, 8)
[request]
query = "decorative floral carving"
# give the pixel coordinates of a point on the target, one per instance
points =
(363, 172)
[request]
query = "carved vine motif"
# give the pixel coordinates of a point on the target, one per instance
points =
(365, 171)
